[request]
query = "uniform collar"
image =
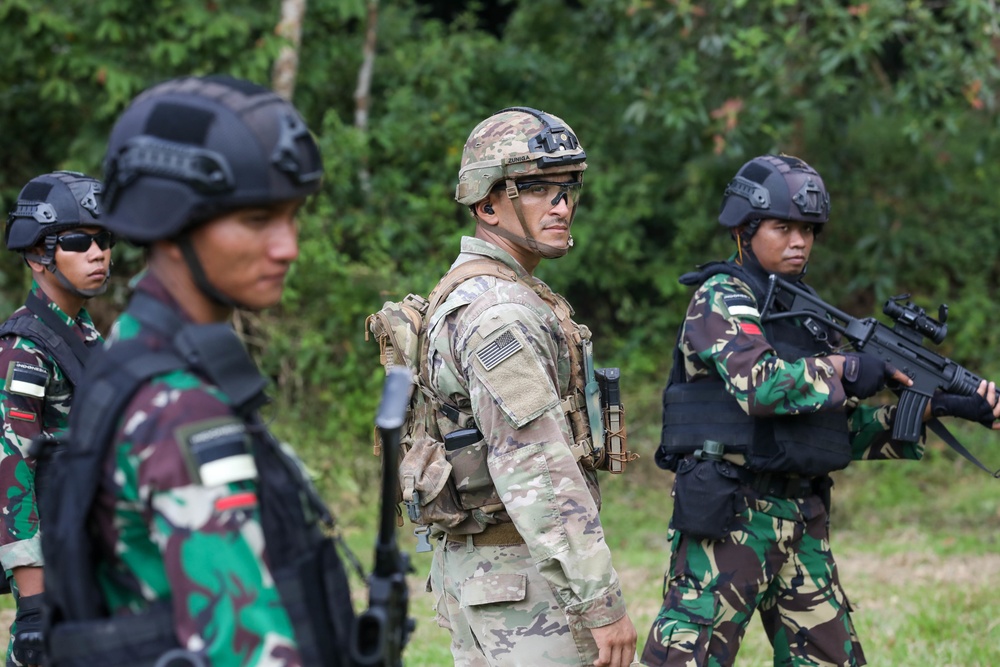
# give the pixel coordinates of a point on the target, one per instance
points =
(476, 246)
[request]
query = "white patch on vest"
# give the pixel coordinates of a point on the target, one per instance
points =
(744, 311)
(229, 469)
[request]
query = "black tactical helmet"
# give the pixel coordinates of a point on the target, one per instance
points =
(50, 204)
(190, 149)
(775, 186)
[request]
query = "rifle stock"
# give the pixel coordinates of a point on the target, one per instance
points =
(383, 630)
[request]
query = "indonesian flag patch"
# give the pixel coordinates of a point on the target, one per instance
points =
(751, 329)
(23, 415)
(26, 379)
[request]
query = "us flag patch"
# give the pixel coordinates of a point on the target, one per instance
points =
(505, 345)
(751, 329)
(26, 379)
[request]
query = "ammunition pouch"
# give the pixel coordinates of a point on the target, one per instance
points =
(707, 498)
(137, 640)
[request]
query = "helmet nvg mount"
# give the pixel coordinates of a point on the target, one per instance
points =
(49, 204)
(775, 186)
(191, 149)
(511, 144)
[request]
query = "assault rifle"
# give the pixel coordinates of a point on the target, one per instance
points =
(384, 629)
(901, 346)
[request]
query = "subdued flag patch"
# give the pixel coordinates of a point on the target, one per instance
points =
(26, 379)
(504, 347)
(751, 329)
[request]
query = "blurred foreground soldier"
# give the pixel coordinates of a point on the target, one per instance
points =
(184, 533)
(55, 226)
(527, 579)
(755, 418)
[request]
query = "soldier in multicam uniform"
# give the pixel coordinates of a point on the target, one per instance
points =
(528, 579)
(756, 416)
(55, 226)
(207, 546)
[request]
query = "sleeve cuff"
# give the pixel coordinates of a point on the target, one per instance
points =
(23, 553)
(600, 611)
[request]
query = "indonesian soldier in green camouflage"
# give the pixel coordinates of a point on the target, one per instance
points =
(528, 579)
(206, 534)
(755, 418)
(55, 226)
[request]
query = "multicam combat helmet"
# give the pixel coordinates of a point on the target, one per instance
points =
(775, 186)
(50, 204)
(509, 145)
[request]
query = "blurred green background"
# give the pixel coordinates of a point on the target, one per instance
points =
(894, 102)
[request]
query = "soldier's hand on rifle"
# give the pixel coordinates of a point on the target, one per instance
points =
(982, 407)
(864, 375)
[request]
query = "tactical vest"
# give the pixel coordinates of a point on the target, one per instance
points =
(811, 444)
(57, 341)
(305, 566)
(52, 335)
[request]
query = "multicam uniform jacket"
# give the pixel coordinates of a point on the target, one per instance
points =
(34, 400)
(171, 527)
(723, 336)
(503, 358)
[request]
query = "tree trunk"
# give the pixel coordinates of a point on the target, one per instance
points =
(286, 67)
(362, 95)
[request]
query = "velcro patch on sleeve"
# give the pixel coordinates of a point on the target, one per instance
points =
(499, 350)
(26, 379)
(219, 450)
(751, 329)
(514, 375)
(23, 415)
(740, 305)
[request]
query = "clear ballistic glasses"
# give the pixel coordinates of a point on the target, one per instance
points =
(550, 191)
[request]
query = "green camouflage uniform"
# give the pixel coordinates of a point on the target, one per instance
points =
(500, 354)
(35, 400)
(169, 529)
(778, 557)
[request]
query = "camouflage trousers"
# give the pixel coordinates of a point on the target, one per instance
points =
(777, 560)
(501, 612)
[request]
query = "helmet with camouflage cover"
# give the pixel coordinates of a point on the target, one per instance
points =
(193, 148)
(50, 204)
(514, 143)
(775, 186)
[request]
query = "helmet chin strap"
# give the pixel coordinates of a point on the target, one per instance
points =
(48, 260)
(200, 279)
(528, 241)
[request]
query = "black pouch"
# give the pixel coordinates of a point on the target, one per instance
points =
(706, 499)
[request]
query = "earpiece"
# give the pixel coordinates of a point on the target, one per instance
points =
(488, 208)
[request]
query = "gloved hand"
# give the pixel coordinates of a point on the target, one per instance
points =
(974, 408)
(864, 374)
(28, 645)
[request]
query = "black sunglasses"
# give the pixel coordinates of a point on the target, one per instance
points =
(80, 241)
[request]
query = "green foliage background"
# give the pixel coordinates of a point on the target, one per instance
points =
(893, 101)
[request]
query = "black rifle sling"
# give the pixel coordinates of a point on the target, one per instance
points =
(942, 432)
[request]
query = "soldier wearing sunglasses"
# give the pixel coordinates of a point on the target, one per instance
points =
(55, 226)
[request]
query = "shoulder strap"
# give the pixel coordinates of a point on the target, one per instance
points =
(53, 336)
(71, 588)
(448, 284)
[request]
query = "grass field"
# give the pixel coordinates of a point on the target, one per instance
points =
(917, 543)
